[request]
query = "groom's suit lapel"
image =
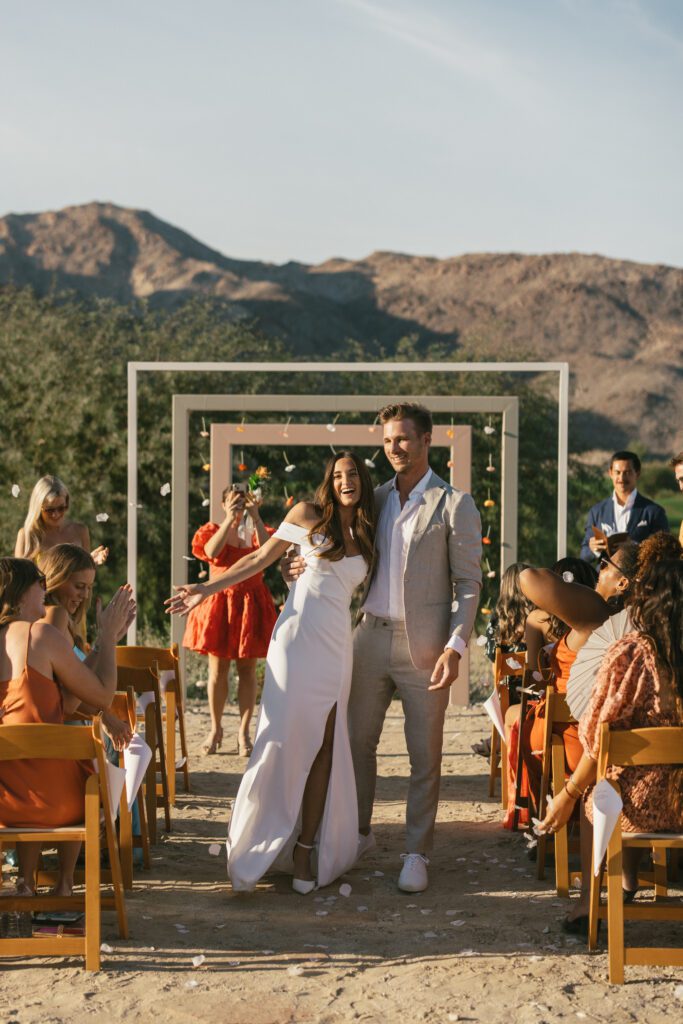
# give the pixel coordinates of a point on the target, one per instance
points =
(430, 500)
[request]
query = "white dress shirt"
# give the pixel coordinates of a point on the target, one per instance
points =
(394, 532)
(622, 513)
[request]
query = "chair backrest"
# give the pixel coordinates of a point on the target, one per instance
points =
(508, 663)
(141, 680)
(56, 742)
(145, 657)
(123, 705)
(557, 707)
(637, 747)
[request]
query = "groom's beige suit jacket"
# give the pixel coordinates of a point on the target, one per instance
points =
(442, 578)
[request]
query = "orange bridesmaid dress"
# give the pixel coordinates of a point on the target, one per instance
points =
(234, 623)
(38, 793)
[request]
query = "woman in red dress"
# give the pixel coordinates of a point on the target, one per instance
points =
(233, 624)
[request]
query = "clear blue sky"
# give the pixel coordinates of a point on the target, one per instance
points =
(305, 129)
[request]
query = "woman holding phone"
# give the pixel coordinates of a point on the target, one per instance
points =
(233, 624)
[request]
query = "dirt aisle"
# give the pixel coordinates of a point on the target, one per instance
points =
(482, 944)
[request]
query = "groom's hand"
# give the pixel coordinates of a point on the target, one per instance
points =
(445, 671)
(292, 565)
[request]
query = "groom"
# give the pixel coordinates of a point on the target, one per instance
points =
(418, 612)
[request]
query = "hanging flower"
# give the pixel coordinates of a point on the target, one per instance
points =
(165, 489)
(102, 517)
(489, 503)
(203, 432)
(289, 499)
(202, 574)
(373, 426)
(289, 466)
(487, 538)
(450, 463)
(240, 426)
(489, 428)
(370, 463)
(485, 611)
(206, 467)
(491, 573)
(450, 432)
(285, 431)
(490, 468)
(333, 425)
(241, 465)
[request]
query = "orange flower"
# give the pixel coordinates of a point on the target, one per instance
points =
(290, 501)
(263, 473)
(486, 540)
(242, 467)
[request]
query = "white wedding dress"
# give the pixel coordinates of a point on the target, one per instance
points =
(308, 671)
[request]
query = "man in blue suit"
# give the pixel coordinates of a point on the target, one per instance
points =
(626, 511)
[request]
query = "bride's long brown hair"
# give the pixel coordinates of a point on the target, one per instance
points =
(327, 507)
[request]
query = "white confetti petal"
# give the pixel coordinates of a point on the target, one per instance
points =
(430, 935)
(215, 849)
(457, 924)
(537, 676)
(16, 490)
(513, 663)
(378, 874)
(345, 889)
(361, 910)
(321, 913)
(295, 971)
(678, 992)
(165, 489)
(425, 911)
(197, 961)
(568, 577)
(106, 948)
(481, 641)
(191, 983)
(268, 952)
(102, 517)
(205, 503)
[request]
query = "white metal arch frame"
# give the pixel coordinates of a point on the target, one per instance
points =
(135, 368)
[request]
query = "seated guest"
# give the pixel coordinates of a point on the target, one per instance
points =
(626, 511)
(583, 609)
(545, 632)
(37, 663)
(47, 523)
(677, 466)
(639, 685)
(69, 579)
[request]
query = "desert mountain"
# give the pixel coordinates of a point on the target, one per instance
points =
(619, 324)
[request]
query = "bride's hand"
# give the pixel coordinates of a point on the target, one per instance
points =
(185, 599)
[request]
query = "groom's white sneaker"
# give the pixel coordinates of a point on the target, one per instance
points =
(365, 844)
(413, 877)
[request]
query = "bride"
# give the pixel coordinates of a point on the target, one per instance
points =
(298, 793)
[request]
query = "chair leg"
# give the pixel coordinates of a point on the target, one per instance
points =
(183, 744)
(126, 842)
(561, 837)
(151, 775)
(594, 912)
(503, 775)
(92, 878)
(659, 862)
(615, 910)
(117, 881)
(162, 767)
(493, 761)
(170, 743)
(144, 831)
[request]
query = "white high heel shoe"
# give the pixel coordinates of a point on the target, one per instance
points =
(302, 885)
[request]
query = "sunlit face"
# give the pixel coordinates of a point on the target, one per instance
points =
(54, 509)
(32, 604)
(346, 483)
(623, 476)
(678, 470)
(611, 582)
(404, 447)
(75, 590)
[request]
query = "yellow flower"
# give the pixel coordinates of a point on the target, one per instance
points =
(263, 473)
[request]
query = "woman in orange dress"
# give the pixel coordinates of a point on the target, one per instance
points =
(583, 610)
(36, 663)
(234, 624)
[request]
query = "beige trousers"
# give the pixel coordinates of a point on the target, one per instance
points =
(381, 668)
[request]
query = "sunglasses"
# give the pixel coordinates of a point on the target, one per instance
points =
(56, 510)
(605, 560)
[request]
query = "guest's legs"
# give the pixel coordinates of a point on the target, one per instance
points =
(68, 855)
(246, 696)
(28, 855)
(371, 691)
(581, 907)
(218, 695)
(313, 803)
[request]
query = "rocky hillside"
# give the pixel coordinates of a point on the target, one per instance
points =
(619, 324)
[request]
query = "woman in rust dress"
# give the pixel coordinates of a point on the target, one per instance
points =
(234, 624)
(37, 663)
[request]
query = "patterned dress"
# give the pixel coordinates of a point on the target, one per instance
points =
(627, 695)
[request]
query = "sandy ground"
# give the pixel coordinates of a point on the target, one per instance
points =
(482, 944)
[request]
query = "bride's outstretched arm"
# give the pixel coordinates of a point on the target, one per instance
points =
(189, 596)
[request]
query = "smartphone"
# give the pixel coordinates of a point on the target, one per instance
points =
(240, 487)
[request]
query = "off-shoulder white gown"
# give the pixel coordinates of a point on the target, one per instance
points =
(308, 671)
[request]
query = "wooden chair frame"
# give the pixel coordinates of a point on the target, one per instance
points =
(525, 698)
(627, 748)
(553, 770)
(499, 750)
(166, 659)
(123, 705)
(142, 681)
(63, 742)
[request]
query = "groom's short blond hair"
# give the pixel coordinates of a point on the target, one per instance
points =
(419, 414)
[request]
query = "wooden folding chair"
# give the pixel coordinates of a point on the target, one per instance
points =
(504, 667)
(146, 681)
(79, 743)
(167, 660)
(628, 748)
(553, 769)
